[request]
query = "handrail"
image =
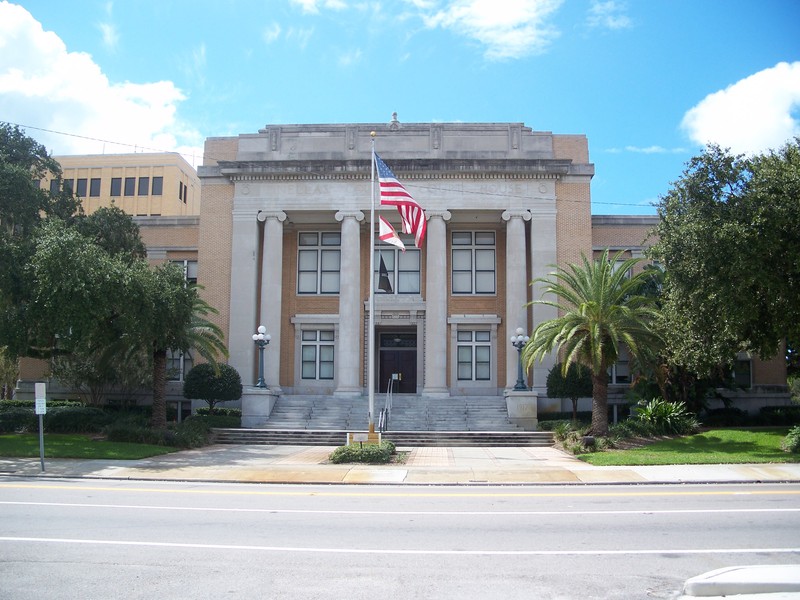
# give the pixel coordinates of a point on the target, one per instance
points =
(383, 418)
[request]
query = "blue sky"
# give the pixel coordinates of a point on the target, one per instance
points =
(649, 82)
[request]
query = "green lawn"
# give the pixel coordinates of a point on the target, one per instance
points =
(718, 446)
(75, 446)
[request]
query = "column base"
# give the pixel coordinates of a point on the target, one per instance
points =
(522, 407)
(257, 404)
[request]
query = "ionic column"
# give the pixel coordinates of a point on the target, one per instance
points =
(243, 294)
(348, 363)
(516, 287)
(435, 364)
(544, 254)
(271, 293)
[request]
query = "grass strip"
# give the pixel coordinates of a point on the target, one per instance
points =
(717, 446)
(26, 445)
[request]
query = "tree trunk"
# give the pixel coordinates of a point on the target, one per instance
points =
(159, 417)
(600, 404)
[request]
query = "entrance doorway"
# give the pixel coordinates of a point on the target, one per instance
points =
(397, 353)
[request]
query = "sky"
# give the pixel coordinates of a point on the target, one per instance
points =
(649, 82)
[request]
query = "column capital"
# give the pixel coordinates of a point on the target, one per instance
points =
(279, 215)
(355, 214)
(443, 214)
(524, 214)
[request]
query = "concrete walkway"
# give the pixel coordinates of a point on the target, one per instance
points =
(425, 466)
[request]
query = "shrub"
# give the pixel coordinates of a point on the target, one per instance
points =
(75, 419)
(192, 433)
(791, 443)
(725, 417)
(666, 418)
(369, 453)
(32, 403)
(136, 434)
(779, 415)
(15, 419)
(224, 412)
(220, 384)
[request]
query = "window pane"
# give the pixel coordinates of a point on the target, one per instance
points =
(116, 186)
(465, 354)
(308, 260)
(326, 370)
(388, 259)
(329, 283)
(308, 239)
(158, 186)
(482, 354)
(462, 283)
(309, 353)
(462, 238)
(309, 370)
(331, 238)
(482, 336)
(326, 335)
(326, 353)
(408, 283)
(81, 189)
(144, 186)
(94, 187)
(484, 260)
(54, 186)
(408, 260)
(484, 238)
(307, 283)
(464, 370)
(482, 372)
(462, 260)
(67, 187)
(310, 336)
(130, 185)
(484, 283)
(464, 336)
(331, 260)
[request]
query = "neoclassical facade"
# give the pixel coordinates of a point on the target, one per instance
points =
(284, 243)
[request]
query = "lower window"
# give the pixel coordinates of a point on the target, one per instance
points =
(474, 355)
(317, 353)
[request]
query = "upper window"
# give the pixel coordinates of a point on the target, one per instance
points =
(116, 186)
(144, 186)
(179, 364)
(94, 187)
(620, 372)
(130, 186)
(80, 189)
(473, 262)
(189, 269)
(54, 186)
(318, 261)
(158, 186)
(67, 186)
(402, 271)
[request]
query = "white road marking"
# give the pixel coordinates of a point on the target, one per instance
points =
(374, 551)
(438, 513)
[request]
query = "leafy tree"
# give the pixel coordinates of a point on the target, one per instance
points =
(602, 310)
(569, 380)
(204, 382)
(115, 231)
(168, 314)
(9, 371)
(729, 238)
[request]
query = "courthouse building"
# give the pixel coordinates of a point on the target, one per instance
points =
(280, 237)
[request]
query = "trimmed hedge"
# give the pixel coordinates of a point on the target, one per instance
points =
(18, 420)
(75, 419)
(368, 453)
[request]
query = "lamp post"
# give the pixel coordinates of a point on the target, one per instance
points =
(261, 339)
(519, 341)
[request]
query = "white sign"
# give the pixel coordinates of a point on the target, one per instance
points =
(360, 437)
(41, 398)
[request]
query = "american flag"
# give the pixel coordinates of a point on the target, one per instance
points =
(394, 194)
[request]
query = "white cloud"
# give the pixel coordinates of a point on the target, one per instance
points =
(609, 15)
(752, 115)
(655, 149)
(45, 86)
(350, 58)
(303, 36)
(311, 6)
(110, 35)
(271, 32)
(517, 28)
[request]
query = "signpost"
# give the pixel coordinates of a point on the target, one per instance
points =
(41, 410)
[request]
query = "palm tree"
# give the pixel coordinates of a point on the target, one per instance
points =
(602, 310)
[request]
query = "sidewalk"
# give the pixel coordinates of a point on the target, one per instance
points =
(425, 466)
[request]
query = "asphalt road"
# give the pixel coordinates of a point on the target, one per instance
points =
(122, 539)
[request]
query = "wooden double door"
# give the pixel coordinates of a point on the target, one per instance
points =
(397, 354)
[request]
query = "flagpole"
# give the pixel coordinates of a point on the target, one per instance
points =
(371, 325)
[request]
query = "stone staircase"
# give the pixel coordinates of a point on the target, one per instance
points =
(414, 421)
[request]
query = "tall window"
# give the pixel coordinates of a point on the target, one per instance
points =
(144, 186)
(319, 258)
(130, 186)
(402, 269)
(116, 186)
(54, 186)
(620, 372)
(94, 187)
(179, 364)
(473, 262)
(67, 186)
(80, 190)
(158, 186)
(189, 269)
(317, 352)
(474, 355)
